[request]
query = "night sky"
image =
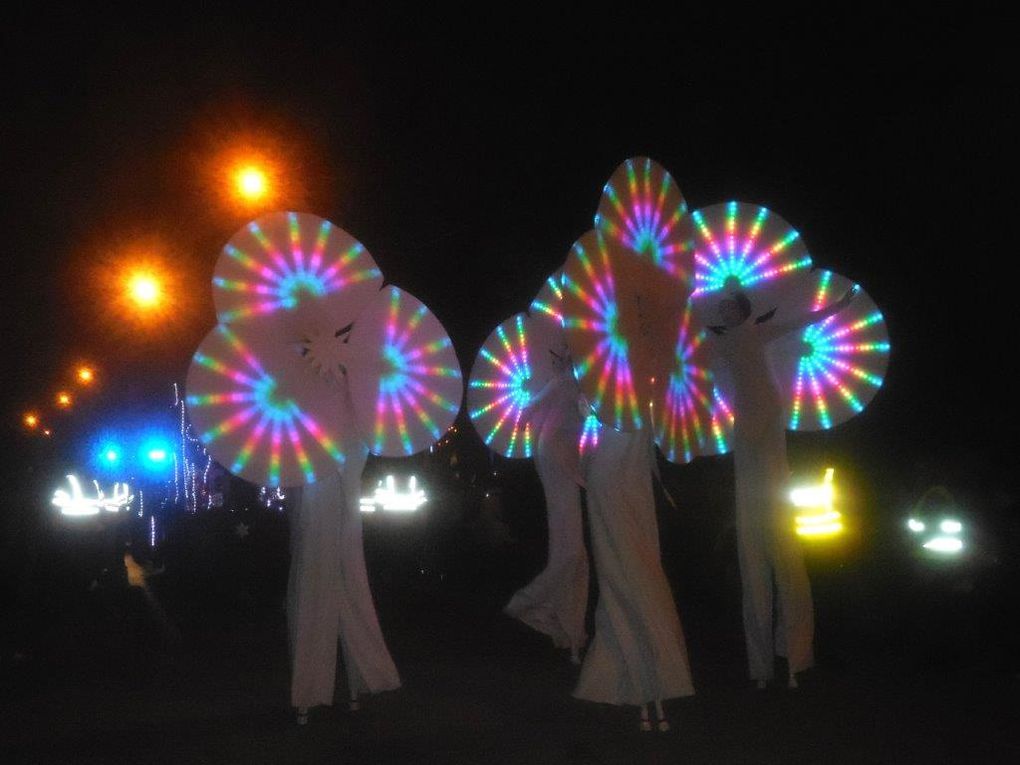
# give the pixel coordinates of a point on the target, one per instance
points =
(469, 152)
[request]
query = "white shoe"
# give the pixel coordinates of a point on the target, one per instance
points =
(663, 725)
(646, 726)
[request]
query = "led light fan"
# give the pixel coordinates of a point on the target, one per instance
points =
(298, 270)
(548, 303)
(544, 324)
(508, 371)
(643, 211)
(620, 313)
(831, 370)
(745, 247)
(694, 419)
(405, 381)
(263, 412)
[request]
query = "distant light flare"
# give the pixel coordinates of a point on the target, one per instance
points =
(817, 518)
(388, 497)
(144, 289)
(945, 545)
(63, 400)
(254, 171)
(31, 420)
(74, 502)
(251, 183)
(85, 375)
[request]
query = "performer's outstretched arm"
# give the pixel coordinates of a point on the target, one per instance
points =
(770, 330)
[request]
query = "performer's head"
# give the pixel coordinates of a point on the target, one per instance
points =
(734, 310)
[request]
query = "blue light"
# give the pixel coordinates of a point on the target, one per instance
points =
(155, 455)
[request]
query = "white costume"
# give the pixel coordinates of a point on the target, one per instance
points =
(328, 595)
(555, 601)
(767, 545)
(638, 653)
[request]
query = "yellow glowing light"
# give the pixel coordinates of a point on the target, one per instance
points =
(63, 399)
(31, 420)
(818, 518)
(85, 375)
(144, 289)
(251, 183)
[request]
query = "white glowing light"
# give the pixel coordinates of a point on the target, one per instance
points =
(75, 503)
(949, 526)
(949, 545)
(915, 525)
(388, 498)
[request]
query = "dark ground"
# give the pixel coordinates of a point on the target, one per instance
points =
(915, 661)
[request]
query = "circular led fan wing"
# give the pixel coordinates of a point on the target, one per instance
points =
(694, 419)
(829, 371)
(548, 303)
(620, 314)
(405, 380)
(299, 270)
(544, 327)
(263, 412)
(745, 247)
(643, 211)
(503, 383)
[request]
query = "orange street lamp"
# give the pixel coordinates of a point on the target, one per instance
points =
(144, 289)
(85, 375)
(64, 400)
(251, 183)
(31, 420)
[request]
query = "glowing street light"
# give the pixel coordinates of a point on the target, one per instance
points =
(251, 183)
(85, 375)
(64, 400)
(31, 420)
(144, 289)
